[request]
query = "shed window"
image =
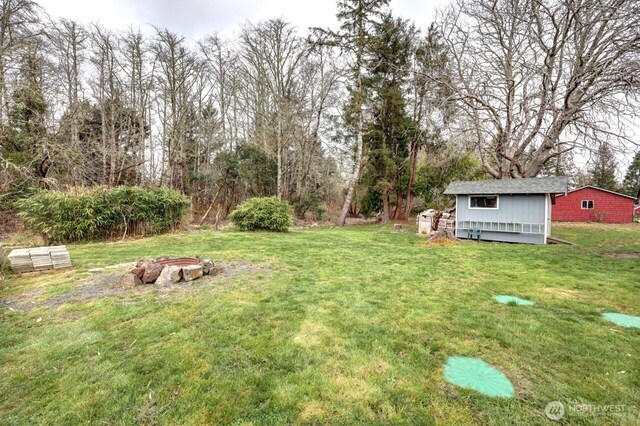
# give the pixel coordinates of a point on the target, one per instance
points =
(587, 204)
(483, 202)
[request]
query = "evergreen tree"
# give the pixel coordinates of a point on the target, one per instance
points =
(390, 130)
(23, 139)
(631, 183)
(603, 170)
(358, 19)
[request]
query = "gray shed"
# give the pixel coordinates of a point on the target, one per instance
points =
(510, 210)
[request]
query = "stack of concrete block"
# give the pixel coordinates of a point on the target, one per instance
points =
(60, 257)
(39, 259)
(21, 261)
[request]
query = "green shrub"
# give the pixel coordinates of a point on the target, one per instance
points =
(102, 212)
(371, 203)
(309, 202)
(267, 213)
(17, 190)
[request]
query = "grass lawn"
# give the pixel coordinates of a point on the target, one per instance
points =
(347, 326)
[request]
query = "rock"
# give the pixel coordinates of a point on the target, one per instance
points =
(127, 281)
(138, 271)
(151, 273)
(143, 262)
(397, 227)
(207, 266)
(170, 275)
(192, 272)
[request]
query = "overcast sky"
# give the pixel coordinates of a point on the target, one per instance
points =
(195, 18)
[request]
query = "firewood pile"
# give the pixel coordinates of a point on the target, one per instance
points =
(437, 224)
(165, 271)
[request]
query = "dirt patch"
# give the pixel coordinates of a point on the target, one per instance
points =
(441, 242)
(563, 293)
(99, 285)
(622, 255)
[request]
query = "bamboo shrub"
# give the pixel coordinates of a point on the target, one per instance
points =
(98, 213)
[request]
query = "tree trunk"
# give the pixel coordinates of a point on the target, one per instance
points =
(385, 206)
(103, 138)
(397, 212)
(356, 173)
(3, 90)
(279, 157)
(413, 163)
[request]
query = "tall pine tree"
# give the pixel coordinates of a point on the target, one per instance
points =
(390, 131)
(603, 170)
(358, 19)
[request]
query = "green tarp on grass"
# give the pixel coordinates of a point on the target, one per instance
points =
(622, 319)
(473, 373)
(512, 299)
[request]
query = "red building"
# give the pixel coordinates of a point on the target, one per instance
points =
(591, 204)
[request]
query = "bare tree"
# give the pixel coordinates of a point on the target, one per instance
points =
(107, 92)
(538, 78)
(218, 67)
(317, 91)
(221, 122)
(138, 70)
(272, 53)
(429, 105)
(175, 79)
(68, 39)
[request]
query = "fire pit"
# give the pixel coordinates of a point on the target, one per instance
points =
(165, 271)
(180, 261)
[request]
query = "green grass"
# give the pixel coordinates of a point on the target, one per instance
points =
(351, 326)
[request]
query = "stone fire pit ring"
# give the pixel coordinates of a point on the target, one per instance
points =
(165, 271)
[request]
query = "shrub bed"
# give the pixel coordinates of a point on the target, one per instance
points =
(307, 203)
(262, 213)
(102, 212)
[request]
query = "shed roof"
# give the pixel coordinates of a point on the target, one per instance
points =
(603, 190)
(542, 185)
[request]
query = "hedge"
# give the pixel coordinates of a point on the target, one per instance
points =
(102, 212)
(262, 213)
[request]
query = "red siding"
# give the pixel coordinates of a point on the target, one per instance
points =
(608, 207)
